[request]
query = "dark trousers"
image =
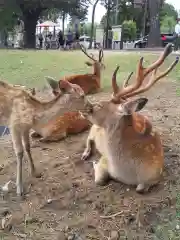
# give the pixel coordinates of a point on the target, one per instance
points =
(177, 43)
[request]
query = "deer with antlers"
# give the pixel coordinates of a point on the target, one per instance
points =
(89, 82)
(22, 111)
(131, 149)
(72, 122)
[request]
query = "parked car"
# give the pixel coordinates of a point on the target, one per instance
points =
(165, 38)
(85, 41)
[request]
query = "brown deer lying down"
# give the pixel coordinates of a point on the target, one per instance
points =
(90, 83)
(131, 149)
(61, 126)
(21, 111)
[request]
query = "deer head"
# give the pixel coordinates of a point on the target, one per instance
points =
(121, 104)
(98, 63)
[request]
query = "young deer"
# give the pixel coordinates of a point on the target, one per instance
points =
(21, 111)
(61, 126)
(131, 149)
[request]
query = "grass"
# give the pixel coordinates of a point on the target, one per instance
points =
(30, 67)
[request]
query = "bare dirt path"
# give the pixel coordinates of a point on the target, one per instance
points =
(66, 204)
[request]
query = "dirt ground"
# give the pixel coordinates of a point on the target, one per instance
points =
(65, 203)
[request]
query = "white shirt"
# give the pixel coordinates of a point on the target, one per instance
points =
(177, 29)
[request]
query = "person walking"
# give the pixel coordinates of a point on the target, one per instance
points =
(177, 33)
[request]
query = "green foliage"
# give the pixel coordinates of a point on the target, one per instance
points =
(168, 10)
(130, 30)
(167, 24)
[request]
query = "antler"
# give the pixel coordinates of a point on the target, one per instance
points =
(133, 89)
(101, 54)
(83, 49)
(153, 79)
(91, 56)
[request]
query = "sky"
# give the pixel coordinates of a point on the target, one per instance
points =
(100, 10)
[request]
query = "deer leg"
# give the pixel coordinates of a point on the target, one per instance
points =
(101, 174)
(26, 144)
(18, 148)
(90, 146)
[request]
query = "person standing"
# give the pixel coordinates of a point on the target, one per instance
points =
(177, 33)
(61, 39)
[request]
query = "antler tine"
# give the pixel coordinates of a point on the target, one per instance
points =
(126, 81)
(143, 72)
(159, 62)
(115, 86)
(153, 79)
(101, 55)
(83, 49)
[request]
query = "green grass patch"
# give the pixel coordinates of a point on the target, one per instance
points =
(31, 67)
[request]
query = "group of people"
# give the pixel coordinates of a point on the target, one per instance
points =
(62, 41)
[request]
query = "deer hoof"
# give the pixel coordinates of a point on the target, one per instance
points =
(37, 175)
(140, 188)
(85, 155)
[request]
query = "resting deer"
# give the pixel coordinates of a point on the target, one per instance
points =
(90, 83)
(131, 149)
(21, 112)
(61, 126)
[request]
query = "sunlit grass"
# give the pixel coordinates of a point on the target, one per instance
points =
(31, 67)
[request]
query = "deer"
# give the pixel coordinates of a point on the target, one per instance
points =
(72, 122)
(90, 83)
(63, 125)
(21, 112)
(131, 149)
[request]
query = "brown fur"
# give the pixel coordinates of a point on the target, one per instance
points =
(21, 111)
(72, 122)
(62, 126)
(131, 149)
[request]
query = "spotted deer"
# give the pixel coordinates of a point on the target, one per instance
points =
(63, 125)
(72, 122)
(131, 149)
(22, 111)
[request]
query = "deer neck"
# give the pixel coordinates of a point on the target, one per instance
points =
(97, 71)
(114, 132)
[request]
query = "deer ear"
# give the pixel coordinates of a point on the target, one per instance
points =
(134, 105)
(52, 83)
(88, 64)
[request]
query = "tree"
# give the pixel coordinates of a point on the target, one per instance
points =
(31, 10)
(92, 22)
(154, 39)
(168, 10)
(130, 30)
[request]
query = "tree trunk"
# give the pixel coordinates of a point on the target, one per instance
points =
(30, 19)
(107, 24)
(154, 39)
(92, 23)
(63, 21)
